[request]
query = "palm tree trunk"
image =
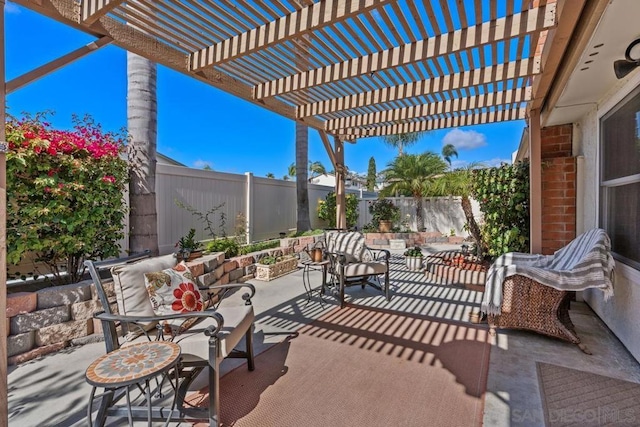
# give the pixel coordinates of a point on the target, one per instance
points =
(302, 184)
(142, 121)
(474, 229)
(419, 214)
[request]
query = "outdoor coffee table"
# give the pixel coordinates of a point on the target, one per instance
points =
(134, 364)
(306, 281)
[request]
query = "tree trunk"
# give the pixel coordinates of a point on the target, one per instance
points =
(474, 229)
(419, 214)
(142, 122)
(302, 184)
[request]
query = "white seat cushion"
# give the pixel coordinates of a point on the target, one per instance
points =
(365, 268)
(131, 293)
(237, 321)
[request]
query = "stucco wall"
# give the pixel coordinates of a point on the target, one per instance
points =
(622, 312)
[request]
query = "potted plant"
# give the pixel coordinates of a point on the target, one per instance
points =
(270, 267)
(414, 258)
(188, 247)
(384, 214)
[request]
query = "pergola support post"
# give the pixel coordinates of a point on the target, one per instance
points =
(4, 415)
(341, 212)
(535, 183)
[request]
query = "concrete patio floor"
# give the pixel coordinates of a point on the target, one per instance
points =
(51, 391)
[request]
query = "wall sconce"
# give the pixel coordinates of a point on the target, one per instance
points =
(623, 67)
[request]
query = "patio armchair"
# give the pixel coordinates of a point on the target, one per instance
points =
(205, 337)
(532, 292)
(353, 263)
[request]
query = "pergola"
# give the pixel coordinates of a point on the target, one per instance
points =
(346, 68)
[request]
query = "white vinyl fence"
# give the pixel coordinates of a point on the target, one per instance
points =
(264, 207)
(267, 207)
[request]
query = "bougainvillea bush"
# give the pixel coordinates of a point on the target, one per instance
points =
(64, 194)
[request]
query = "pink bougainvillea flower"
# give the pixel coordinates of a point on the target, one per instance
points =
(187, 298)
(109, 178)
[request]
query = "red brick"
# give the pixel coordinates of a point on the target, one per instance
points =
(21, 303)
(196, 268)
(245, 260)
(230, 265)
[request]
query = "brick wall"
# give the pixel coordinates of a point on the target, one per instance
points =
(558, 188)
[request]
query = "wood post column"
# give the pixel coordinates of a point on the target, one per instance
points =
(341, 211)
(535, 183)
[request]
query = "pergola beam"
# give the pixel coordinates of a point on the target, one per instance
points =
(327, 146)
(496, 73)
(132, 40)
(295, 24)
(93, 10)
(56, 64)
(490, 99)
(472, 118)
(487, 33)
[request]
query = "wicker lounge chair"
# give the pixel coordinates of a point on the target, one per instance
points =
(532, 292)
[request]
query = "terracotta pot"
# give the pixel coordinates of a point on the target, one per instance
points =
(193, 255)
(385, 226)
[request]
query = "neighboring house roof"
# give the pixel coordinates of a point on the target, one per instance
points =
(166, 160)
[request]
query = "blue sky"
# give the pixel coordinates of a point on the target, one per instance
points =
(197, 123)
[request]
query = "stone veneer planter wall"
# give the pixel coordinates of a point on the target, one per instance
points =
(53, 318)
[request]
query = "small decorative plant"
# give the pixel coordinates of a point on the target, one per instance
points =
(416, 251)
(384, 210)
(268, 260)
(187, 244)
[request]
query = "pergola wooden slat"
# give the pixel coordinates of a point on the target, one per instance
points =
(347, 68)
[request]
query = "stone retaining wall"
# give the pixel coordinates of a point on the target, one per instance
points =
(53, 318)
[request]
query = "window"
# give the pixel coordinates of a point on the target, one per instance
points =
(620, 178)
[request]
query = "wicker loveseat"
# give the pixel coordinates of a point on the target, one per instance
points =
(532, 292)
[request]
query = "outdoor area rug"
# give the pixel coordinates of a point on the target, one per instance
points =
(362, 366)
(577, 398)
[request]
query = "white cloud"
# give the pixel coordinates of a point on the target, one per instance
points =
(464, 139)
(496, 162)
(199, 164)
(11, 8)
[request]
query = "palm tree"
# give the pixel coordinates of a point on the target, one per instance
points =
(448, 151)
(291, 171)
(316, 169)
(402, 140)
(412, 175)
(458, 183)
(302, 184)
(286, 178)
(270, 175)
(142, 123)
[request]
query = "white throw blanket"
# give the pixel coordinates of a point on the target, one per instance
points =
(585, 262)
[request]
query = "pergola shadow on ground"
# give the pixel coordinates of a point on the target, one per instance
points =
(52, 391)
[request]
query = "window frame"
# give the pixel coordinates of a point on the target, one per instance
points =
(631, 266)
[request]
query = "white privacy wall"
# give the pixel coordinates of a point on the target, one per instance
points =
(621, 313)
(270, 208)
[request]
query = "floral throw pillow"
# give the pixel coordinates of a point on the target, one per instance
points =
(173, 291)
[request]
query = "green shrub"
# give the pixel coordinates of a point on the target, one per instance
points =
(64, 194)
(229, 246)
(383, 210)
(327, 209)
(503, 195)
(260, 246)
